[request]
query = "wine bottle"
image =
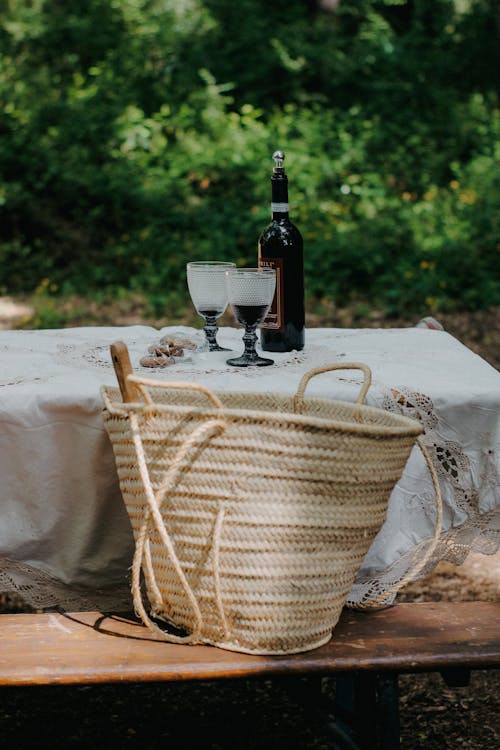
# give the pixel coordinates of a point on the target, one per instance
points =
(281, 248)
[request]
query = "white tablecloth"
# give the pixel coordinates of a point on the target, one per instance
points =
(65, 538)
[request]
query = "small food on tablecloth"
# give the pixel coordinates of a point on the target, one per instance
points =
(167, 351)
(178, 342)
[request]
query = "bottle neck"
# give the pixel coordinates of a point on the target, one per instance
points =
(279, 195)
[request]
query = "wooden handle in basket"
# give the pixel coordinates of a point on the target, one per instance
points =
(123, 368)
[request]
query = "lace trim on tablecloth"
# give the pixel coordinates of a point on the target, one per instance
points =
(41, 591)
(479, 533)
(453, 546)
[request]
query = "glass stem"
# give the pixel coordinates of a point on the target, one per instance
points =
(249, 339)
(211, 329)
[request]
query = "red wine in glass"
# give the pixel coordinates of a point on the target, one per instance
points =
(250, 293)
(251, 315)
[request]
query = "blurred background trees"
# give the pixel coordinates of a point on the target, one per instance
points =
(136, 135)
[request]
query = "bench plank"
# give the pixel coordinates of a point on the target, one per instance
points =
(91, 647)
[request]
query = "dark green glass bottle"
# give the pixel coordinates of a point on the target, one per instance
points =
(281, 248)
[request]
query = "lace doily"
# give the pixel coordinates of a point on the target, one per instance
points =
(200, 363)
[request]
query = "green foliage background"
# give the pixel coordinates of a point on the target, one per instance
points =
(136, 135)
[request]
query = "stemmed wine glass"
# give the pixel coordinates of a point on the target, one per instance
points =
(250, 293)
(208, 289)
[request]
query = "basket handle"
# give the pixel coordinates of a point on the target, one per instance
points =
(298, 399)
(420, 564)
(142, 384)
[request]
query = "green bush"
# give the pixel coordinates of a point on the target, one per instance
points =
(137, 135)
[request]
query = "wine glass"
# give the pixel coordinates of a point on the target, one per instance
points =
(250, 293)
(208, 289)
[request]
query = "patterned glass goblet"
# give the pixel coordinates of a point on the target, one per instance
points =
(208, 289)
(250, 293)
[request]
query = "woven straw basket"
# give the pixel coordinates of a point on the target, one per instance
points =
(251, 512)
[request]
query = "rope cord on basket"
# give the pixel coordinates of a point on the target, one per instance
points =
(215, 550)
(419, 565)
(154, 594)
(153, 516)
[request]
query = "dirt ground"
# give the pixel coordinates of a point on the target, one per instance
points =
(251, 715)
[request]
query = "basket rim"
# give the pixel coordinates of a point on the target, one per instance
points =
(401, 425)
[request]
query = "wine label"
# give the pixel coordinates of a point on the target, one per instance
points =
(275, 319)
(279, 208)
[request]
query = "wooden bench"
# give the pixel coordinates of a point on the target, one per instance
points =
(366, 654)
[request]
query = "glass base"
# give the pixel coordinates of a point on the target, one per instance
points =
(211, 346)
(249, 361)
(218, 348)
